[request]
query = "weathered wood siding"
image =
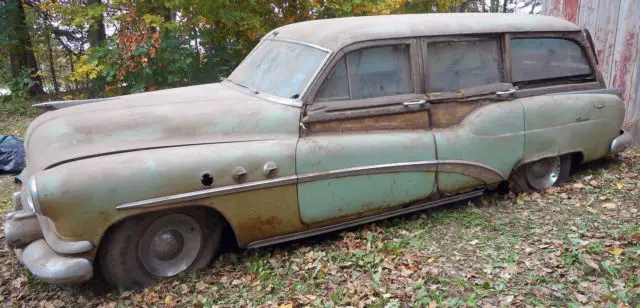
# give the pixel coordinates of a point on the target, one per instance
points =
(615, 27)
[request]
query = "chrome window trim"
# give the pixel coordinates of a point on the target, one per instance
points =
(480, 171)
(613, 91)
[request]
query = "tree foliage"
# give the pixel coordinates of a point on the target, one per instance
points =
(111, 47)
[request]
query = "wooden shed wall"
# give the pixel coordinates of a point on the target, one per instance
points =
(615, 27)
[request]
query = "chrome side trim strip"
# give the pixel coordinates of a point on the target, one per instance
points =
(218, 191)
(364, 220)
(614, 91)
(479, 171)
(420, 166)
(473, 169)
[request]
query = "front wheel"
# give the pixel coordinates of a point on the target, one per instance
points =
(541, 174)
(143, 249)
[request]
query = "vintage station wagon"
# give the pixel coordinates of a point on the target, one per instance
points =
(325, 125)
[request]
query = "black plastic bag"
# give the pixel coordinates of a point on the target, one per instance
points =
(12, 158)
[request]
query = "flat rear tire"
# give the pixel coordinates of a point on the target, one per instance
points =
(541, 174)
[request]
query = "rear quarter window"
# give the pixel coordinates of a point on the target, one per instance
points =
(547, 58)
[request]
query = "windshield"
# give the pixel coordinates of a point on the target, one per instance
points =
(279, 68)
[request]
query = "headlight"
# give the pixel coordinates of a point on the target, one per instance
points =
(32, 198)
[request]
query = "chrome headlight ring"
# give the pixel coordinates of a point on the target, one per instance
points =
(32, 198)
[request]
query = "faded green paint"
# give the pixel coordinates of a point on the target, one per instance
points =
(80, 197)
(212, 113)
(327, 199)
(584, 123)
(491, 135)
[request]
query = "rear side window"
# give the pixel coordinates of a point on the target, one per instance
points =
(546, 58)
(456, 65)
(370, 72)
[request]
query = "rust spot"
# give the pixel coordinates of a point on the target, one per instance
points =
(259, 225)
(104, 217)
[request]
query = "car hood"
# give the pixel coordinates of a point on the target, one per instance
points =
(204, 114)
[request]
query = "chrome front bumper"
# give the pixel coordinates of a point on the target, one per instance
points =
(32, 244)
(621, 143)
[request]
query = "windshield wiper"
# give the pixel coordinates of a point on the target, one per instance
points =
(255, 91)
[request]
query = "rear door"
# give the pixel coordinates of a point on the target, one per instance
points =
(477, 125)
(366, 145)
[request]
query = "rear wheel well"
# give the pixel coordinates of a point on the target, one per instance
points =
(576, 159)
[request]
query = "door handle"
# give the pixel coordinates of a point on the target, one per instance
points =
(422, 102)
(506, 93)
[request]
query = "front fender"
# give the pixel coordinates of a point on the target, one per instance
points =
(82, 197)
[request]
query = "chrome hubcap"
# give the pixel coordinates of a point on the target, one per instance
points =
(543, 173)
(170, 245)
(167, 244)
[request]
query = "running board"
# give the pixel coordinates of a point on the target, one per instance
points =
(364, 220)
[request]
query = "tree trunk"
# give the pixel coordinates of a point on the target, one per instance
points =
(96, 33)
(169, 15)
(21, 50)
(504, 6)
(72, 68)
(52, 65)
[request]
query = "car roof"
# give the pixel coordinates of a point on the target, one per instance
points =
(336, 33)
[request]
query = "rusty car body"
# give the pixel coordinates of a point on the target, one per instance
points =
(325, 125)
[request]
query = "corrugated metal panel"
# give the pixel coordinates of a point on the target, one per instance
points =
(605, 31)
(615, 26)
(588, 13)
(626, 49)
(570, 10)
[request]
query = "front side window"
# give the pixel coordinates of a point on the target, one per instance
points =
(456, 65)
(279, 68)
(546, 58)
(369, 72)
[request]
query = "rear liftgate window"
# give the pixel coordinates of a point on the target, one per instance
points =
(547, 58)
(370, 72)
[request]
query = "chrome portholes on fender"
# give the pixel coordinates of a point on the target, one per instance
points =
(543, 173)
(170, 245)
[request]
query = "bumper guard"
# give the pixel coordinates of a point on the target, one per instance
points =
(621, 143)
(24, 234)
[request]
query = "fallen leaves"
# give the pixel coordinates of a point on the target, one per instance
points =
(615, 250)
(609, 205)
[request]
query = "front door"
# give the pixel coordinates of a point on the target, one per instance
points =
(366, 144)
